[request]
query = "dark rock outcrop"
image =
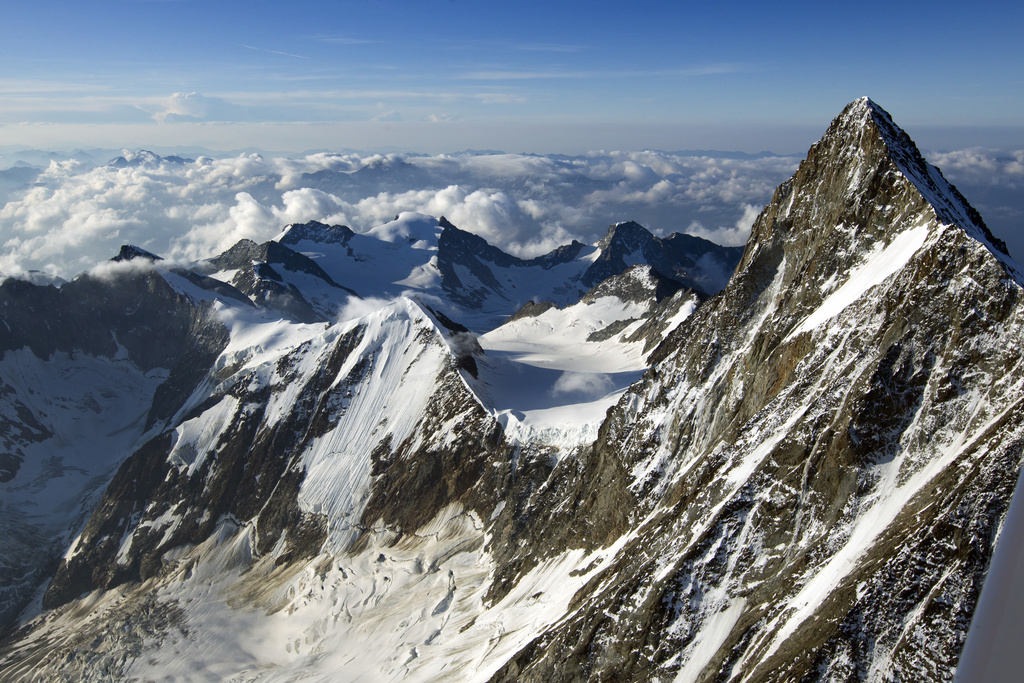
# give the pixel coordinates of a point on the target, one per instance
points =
(256, 275)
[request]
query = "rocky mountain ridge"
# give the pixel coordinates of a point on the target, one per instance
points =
(478, 284)
(818, 464)
(801, 477)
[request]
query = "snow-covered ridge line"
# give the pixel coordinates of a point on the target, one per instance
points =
(950, 206)
(385, 381)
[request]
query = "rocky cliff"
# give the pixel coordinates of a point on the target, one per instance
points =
(809, 482)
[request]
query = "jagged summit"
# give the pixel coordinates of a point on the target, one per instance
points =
(129, 252)
(629, 234)
(863, 119)
(691, 261)
(858, 208)
(276, 276)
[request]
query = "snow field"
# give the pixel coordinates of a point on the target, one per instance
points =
(546, 383)
(411, 611)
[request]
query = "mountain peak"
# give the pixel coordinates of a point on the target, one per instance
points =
(861, 186)
(130, 251)
(315, 231)
(418, 229)
(143, 158)
(863, 106)
(863, 123)
(691, 261)
(629, 233)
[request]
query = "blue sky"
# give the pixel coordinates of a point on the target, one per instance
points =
(523, 76)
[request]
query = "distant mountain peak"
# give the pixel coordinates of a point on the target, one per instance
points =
(409, 226)
(129, 252)
(691, 261)
(315, 231)
(135, 158)
(629, 233)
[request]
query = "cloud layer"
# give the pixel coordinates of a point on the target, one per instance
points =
(75, 214)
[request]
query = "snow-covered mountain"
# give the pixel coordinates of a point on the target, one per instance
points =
(96, 369)
(407, 455)
(133, 158)
(479, 285)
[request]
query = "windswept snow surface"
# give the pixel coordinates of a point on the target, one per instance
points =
(558, 338)
(546, 381)
(414, 611)
(761, 534)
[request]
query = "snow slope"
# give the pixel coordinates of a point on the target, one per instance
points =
(550, 378)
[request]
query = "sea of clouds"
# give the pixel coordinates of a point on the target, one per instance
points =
(66, 217)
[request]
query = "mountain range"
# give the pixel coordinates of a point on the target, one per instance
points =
(404, 454)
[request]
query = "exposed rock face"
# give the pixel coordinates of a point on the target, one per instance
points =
(807, 483)
(531, 309)
(254, 273)
(139, 336)
(639, 284)
(816, 469)
(461, 250)
(130, 251)
(315, 231)
(134, 316)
